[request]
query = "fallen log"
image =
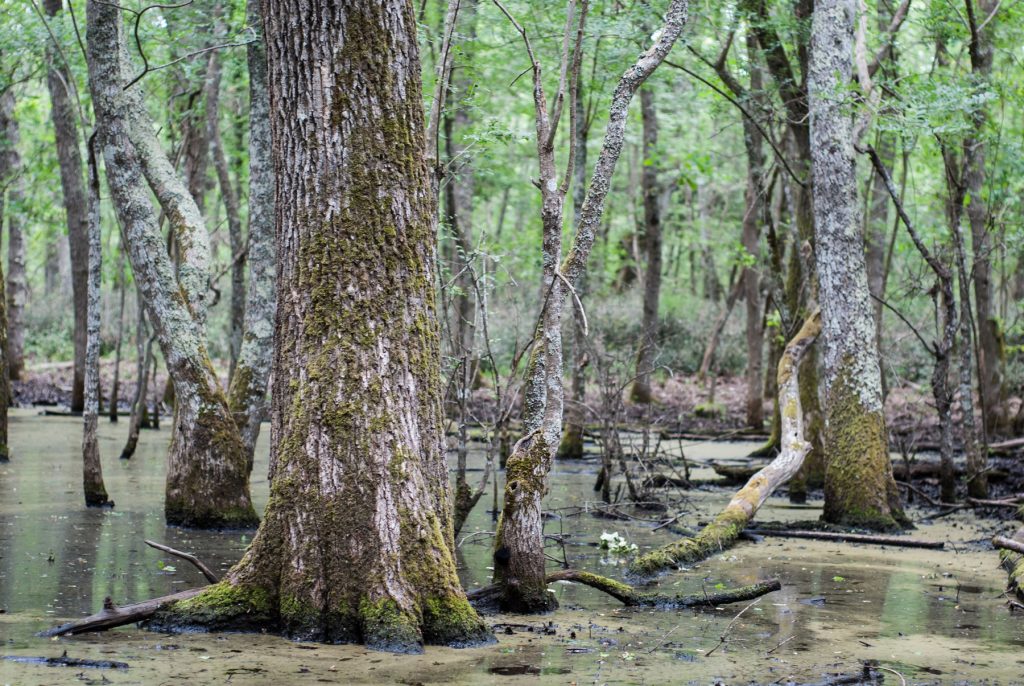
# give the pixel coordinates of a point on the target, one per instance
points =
(665, 481)
(737, 473)
(112, 616)
(65, 661)
(848, 538)
(727, 526)
(1011, 557)
(630, 597)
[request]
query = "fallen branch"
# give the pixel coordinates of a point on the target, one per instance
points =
(207, 572)
(630, 597)
(1008, 544)
(112, 616)
(723, 531)
(1012, 559)
(65, 661)
(848, 538)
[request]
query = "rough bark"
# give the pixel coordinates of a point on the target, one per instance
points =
(730, 522)
(69, 156)
(207, 479)
(641, 390)
(115, 387)
(17, 287)
(92, 471)
(859, 486)
(5, 383)
(247, 396)
(983, 21)
(356, 545)
(519, 550)
(143, 358)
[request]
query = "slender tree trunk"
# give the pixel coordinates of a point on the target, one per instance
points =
(17, 287)
(207, 478)
(143, 352)
(5, 383)
(641, 391)
(92, 471)
(859, 486)
(65, 123)
(982, 20)
(247, 395)
(115, 389)
(230, 198)
(357, 541)
(753, 213)
(571, 445)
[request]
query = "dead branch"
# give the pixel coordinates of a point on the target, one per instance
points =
(112, 616)
(848, 538)
(207, 572)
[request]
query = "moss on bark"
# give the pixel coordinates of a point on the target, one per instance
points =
(716, 536)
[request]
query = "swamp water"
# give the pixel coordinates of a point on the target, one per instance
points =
(933, 616)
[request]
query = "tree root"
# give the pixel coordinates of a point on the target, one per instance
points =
(630, 597)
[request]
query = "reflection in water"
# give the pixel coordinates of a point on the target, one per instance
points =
(920, 612)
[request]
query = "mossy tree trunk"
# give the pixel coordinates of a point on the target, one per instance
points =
(207, 479)
(247, 396)
(859, 486)
(356, 544)
(59, 81)
(730, 522)
(641, 390)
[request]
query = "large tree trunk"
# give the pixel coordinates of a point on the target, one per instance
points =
(65, 124)
(17, 287)
(92, 471)
(207, 479)
(641, 391)
(859, 486)
(357, 541)
(248, 391)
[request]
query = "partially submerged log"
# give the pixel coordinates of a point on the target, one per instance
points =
(736, 473)
(630, 597)
(65, 661)
(665, 481)
(727, 526)
(1011, 556)
(112, 616)
(848, 538)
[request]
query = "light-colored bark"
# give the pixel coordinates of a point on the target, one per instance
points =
(740, 510)
(356, 545)
(641, 390)
(859, 486)
(207, 479)
(247, 395)
(115, 386)
(92, 471)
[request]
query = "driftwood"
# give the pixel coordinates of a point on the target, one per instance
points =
(848, 538)
(112, 616)
(630, 597)
(65, 661)
(727, 526)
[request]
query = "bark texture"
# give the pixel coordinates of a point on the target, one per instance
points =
(859, 486)
(207, 479)
(356, 544)
(92, 471)
(65, 125)
(641, 390)
(17, 286)
(247, 395)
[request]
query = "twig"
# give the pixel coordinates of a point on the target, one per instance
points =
(207, 572)
(903, 681)
(725, 634)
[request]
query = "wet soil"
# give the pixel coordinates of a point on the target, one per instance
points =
(933, 616)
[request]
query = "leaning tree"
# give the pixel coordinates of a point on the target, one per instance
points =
(356, 544)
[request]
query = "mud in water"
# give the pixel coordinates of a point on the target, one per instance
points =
(931, 616)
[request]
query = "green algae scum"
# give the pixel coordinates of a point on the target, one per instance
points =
(932, 616)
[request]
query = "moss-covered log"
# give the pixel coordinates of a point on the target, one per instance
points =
(1011, 556)
(729, 523)
(631, 597)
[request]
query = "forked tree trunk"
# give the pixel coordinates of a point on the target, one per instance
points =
(519, 546)
(207, 479)
(92, 471)
(641, 391)
(247, 395)
(859, 486)
(356, 545)
(69, 156)
(13, 178)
